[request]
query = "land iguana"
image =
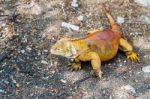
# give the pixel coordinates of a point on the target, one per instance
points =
(97, 46)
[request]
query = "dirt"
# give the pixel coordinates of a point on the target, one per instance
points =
(28, 29)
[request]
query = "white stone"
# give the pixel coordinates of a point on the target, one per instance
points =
(22, 51)
(146, 69)
(74, 3)
(28, 48)
(2, 91)
(120, 20)
(143, 2)
(70, 26)
(36, 10)
(46, 51)
(63, 81)
(141, 43)
(44, 62)
(129, 88)
(80, 18)
(53, 72)
(145, 18)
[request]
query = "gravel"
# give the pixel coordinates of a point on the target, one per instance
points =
(28, 70)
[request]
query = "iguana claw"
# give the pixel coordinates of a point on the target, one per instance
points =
(133, 56)
(74, 66)
(100, 75)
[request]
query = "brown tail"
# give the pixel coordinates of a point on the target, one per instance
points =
(112, 22)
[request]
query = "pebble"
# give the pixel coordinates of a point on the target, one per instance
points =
(46, 51)
(146, 58)
(36, 9)
(22, 51)
(2, 91)
(141, 43)
(63, 81)
(80, 18)
(120, 19)
(129, 88)
(145, 18)
(44, 62)
(143, 2)
(55, 63)
(28, 48)
(39, 53)
(146, 69)
(53, 72)
(74, 3)
(70, 26)
(6, 82)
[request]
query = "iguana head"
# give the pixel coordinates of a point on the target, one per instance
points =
(64, 47)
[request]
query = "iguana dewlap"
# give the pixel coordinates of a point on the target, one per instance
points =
(97, 46)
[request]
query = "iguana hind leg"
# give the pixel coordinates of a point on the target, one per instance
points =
(128, 49)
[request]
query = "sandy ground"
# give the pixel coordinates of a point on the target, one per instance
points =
(28, 29)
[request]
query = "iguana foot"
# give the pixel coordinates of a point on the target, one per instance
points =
(132, 56)
(99, 74)
(74, 66)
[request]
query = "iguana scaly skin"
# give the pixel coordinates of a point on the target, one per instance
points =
(97, 46)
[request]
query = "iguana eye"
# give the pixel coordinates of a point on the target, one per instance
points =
(59, 49)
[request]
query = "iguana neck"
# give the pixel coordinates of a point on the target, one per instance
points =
(79, 45)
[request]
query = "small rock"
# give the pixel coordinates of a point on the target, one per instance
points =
(143, 2)
(46, 51)
(74, 3)
(128, 88)
(44, 62)
(80, 18)
(70, 26)
(2, 91)
(146, 69)
(36, 9)
(147, 58)
(39, 53)
(53, 72)
(48, 14)
(6, 82)
(7, 0)
(3, 24)
(55, 63)
(120, 19)
(63, 81)
(146, 95)
(145, 18)
(17, 85)
(28, 48)
(22, 51)
(141, 43)
(122, 94)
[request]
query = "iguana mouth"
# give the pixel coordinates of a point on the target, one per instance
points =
(52, 51)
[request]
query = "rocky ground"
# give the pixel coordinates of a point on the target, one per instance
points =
(28, 29)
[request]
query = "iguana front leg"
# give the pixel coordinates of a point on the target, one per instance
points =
(95, 62)
(75, 66)
(128, 49)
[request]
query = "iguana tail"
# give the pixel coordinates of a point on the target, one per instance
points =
(112, 22)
